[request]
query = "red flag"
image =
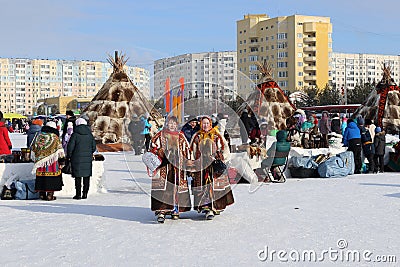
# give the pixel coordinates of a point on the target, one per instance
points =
(182, 99)
(167, 98)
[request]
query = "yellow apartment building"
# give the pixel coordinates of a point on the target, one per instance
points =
(297, 47)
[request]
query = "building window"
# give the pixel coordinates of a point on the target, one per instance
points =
(300, 64)
(300, 73)
(299, 45)
(300, 54)
(282, 74)
(282, 64)
(253, 58)
(299, 35)
(282, 36)
(282, 45)
(253, 68)
(283, 83)
(282, 54)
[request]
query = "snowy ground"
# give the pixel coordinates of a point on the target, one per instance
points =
(118, 229)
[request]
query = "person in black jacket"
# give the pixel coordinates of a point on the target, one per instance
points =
(367, 145)
(190, 128)
(335, 124)
(244, 124)
(70, 117)
(135, 128)
(380, 144)
(80, 151)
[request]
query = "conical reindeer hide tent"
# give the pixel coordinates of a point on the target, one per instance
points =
(268, 101)
(111, 110)
(383, 104)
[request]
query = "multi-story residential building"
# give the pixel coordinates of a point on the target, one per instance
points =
(206, 75)
(24, 81)
(348, 70)
(297, 47)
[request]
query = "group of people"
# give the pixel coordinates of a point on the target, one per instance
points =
(365, 140)
(196, 151)
(52, 148)
(361, 136)
(51, 151)
(140, 130)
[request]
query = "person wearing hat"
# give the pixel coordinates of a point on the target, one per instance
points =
(190, 128)
(70, 117)
(33, 131)
(211, 188)
(47, 151)
(135, 128)
(380, 145)
(170, 189)
(80, 149)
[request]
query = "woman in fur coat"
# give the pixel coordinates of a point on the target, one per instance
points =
(170, 191)
(212, 191)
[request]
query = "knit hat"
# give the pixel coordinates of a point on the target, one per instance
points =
(192, 118)
(360, 121)
(80, 121)
(52, 124)
(37, 122)
(378, 129)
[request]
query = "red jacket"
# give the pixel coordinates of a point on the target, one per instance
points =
(5, 143)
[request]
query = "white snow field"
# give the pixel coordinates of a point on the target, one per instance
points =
(351, 221)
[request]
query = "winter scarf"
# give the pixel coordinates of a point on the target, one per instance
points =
(47, 149)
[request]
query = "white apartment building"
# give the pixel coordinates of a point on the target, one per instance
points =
(348, 70)
(206, 75)
(24, 81)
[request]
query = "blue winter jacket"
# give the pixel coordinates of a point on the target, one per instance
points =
(352, 132)
(147, 126)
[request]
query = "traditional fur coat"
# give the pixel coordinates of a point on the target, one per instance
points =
(210, 190)
(169, 184)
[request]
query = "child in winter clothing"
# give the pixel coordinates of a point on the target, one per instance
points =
(367, 145)
(379, 143)
(70, 130)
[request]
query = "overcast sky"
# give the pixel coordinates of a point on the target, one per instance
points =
(150, 30)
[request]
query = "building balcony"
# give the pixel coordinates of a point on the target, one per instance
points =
(310, 59)
(310, 78)
(310, 39)
(255, 44)
(310, 49)
(310, 68)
